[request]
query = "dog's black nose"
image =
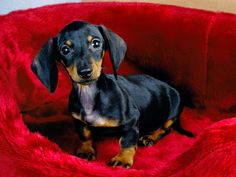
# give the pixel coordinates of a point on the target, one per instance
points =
(85, 73)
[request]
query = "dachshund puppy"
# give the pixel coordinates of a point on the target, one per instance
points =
(140, 108)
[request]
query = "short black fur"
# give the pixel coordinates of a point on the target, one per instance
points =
(138, 104)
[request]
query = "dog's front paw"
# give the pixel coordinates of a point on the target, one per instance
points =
(125, 158)
(86, 151)
(120, 160)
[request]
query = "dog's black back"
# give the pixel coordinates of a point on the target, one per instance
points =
(156, 100)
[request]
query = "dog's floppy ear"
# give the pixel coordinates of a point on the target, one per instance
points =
(116, 46)
(44, 65)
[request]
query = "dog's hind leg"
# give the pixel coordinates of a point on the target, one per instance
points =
(151, 139)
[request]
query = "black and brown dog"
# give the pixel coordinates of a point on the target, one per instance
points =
(140, 108)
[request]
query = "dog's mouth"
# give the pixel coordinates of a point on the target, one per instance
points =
(86, 81)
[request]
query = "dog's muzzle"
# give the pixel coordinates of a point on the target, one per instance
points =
(85, 73)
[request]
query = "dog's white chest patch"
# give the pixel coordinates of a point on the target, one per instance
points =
(87, 96)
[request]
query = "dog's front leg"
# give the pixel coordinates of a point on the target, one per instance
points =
(128, 147)
(86, 148)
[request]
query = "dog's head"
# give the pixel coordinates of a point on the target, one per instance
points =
(80, 47)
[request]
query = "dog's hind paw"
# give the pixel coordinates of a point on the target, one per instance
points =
(146, 141)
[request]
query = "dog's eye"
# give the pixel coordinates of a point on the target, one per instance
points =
(65, 50)
(96, 43)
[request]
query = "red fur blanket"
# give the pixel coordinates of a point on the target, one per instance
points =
(192, 50)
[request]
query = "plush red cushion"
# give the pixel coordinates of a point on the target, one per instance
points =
(192, 50)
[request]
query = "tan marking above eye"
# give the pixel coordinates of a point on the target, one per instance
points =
(90, 38)
(68, 42)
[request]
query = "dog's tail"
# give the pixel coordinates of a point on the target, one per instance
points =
(177, 126)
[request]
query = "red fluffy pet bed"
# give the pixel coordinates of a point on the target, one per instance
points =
(192, 50)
